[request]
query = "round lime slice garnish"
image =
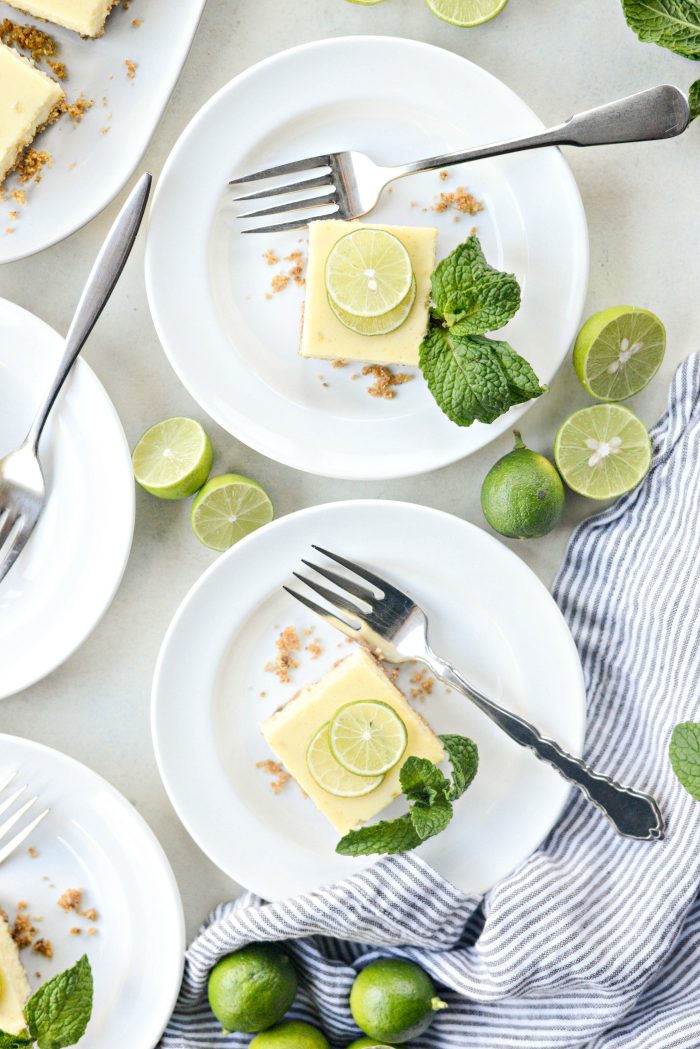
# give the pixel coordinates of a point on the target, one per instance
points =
(368, 273)
(368, 737)
(618, 351)
(229, 508)
(383, 325)
(330, 775)
(602, 451)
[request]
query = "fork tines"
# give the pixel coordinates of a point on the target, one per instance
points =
(324, 181)
(16, 808)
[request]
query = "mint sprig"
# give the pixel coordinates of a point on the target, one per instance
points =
(694, 100)
(430, 794)
(473, 378)
(58, 1013)
(684, 752)
(674, 24)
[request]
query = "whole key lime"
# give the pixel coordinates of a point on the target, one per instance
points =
(522, 496)
(368, 1043)
(290, 1035)
(253, 988)
(394, 1000)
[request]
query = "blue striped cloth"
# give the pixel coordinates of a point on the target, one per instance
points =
(595, 940)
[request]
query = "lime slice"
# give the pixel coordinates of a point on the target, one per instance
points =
(368, 273)
(367, 737)
(466, 13)
(388, 322)
(229, 508)
(173, 459)
(332, 776)
(602, 451)
(618, 351)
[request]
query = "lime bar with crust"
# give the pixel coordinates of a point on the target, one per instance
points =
(29, 100)
(290, 730)
(325, 336)
(86, 17)
(14, 986)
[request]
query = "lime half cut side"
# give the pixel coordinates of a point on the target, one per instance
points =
(229, 508)
(368, 737)
(383, 325)
(618, 351)
(330, 775)
(603, 451)
(173, 459)
(368, 273)
(466, 13)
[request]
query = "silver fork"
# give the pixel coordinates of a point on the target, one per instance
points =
(11, 821)
(388, 621)
(351, 183)
(22, 489)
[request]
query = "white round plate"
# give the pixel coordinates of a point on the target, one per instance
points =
(67, 575)
(488, 614)
(94, 840)
(234, 346)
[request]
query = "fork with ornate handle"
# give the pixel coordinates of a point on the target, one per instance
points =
(398, 628)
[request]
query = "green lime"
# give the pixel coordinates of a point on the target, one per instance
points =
(394, 1000)
(368, 1043)
(229, 508)
(388, 322)
(253, 988)
(602, 451)
(330, 775)
(466, 13)
(290, 1035)
(173, 459)
(522, 496)
(367, 737)
(368, 272)
(618, 351)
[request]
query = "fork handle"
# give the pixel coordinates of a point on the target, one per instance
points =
(633, 814)
(100, 284)
(658, 112)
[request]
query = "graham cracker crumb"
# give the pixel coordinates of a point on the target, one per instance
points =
(27, 38)
(59, 69)
(44, 947)
(461, 200)
(71, 900)
(270, 257)
(279, 282)
(29, 166)
(23, 932)
(385, 380)
(77, 110)
(274, 768)
(92, 932)
(136, 22)
(340, 364)
(315, 648)
(287, 643)
(75, 931)
(421, 685)
(131, 68)
(443, 175)
(32, 852)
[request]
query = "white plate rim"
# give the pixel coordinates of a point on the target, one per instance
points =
(161, 1019)
(157, 702)
(70, 226)
(87, 376)
(282, 453)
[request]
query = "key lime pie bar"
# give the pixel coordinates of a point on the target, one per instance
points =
(367, 290)
(29, 100)
(345, 738)
(14, 986)
(86, 17)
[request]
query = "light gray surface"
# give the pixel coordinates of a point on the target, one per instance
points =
(641, 202)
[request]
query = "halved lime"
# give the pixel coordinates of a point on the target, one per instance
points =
(388, 322)
(173, 459)
(330, 775)
(368, 273)
(602, 451)
(229, 508)
(466, 13)
(367, 737)
(618, 351)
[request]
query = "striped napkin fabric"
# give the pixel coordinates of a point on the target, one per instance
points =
(594, 941)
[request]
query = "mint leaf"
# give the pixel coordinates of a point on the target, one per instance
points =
(387, 837)
(58, 1013)
(14, 1041)
(470, 295)
(429, 820)
(684, 751)
(464, 759)
(523, 384)
(674, 24)
(694, 100)
(422, 781)
(464, 377)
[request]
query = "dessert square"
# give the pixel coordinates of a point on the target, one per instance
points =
(324, 336)
(29, 100)
(14, 986)
(290, 730)
(86, 17)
